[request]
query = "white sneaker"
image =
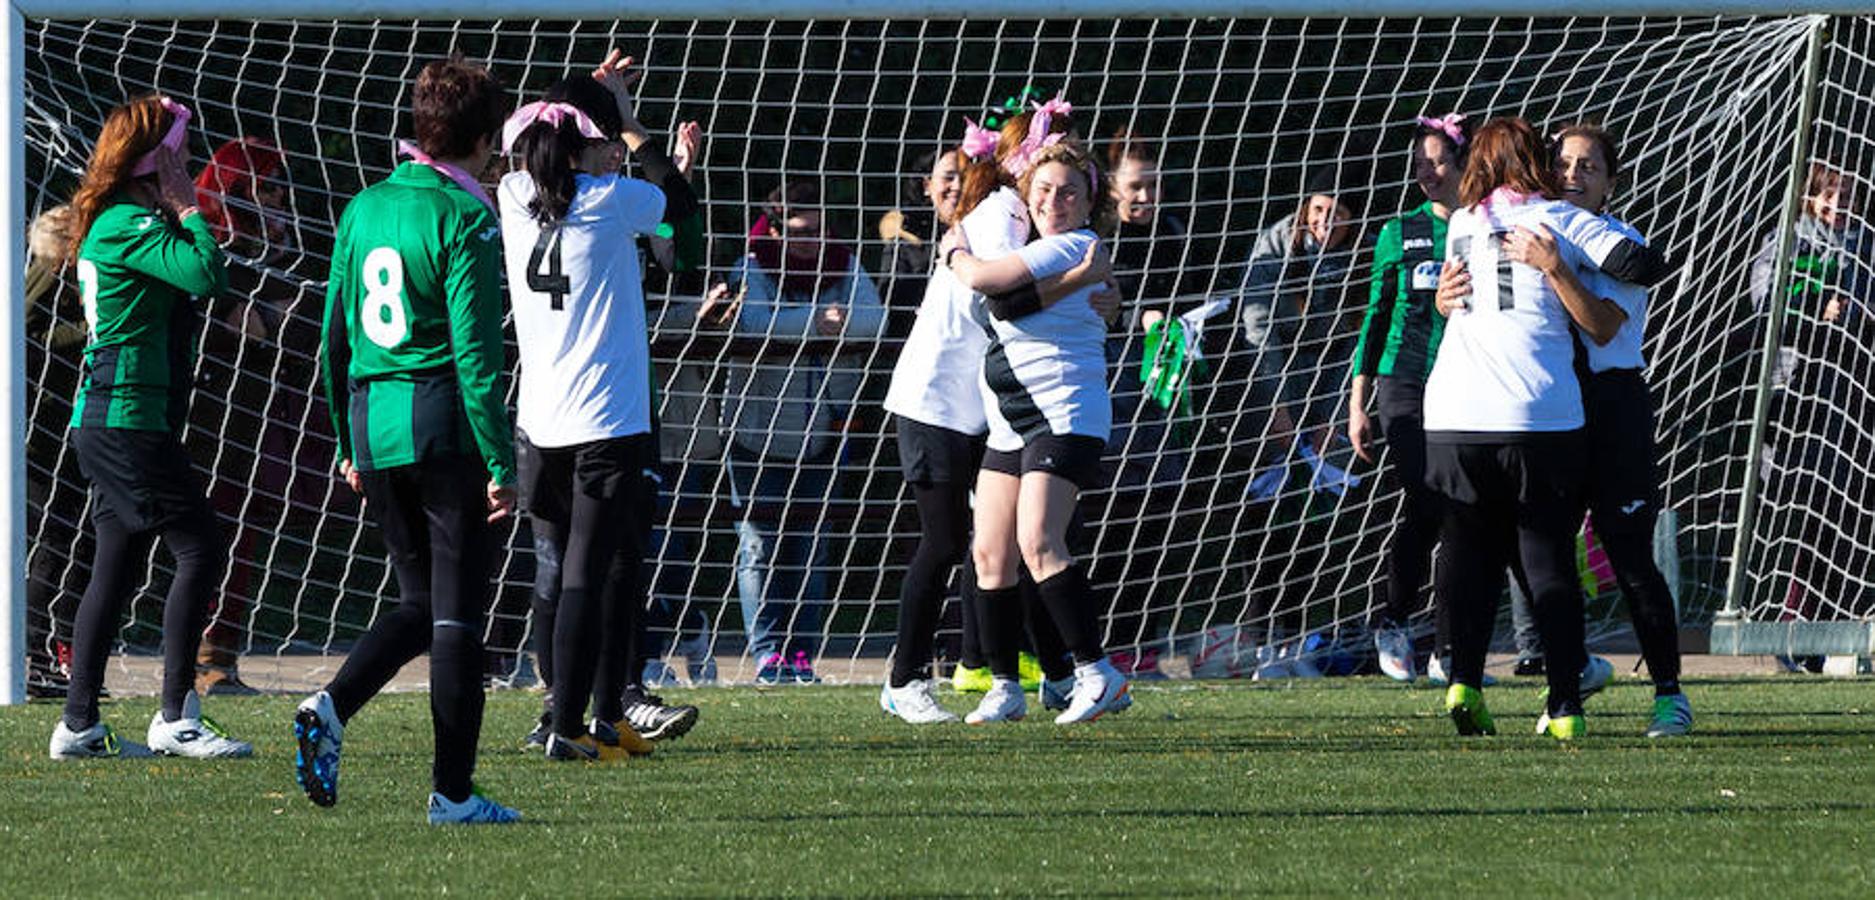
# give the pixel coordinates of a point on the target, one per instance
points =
(318, 733)
(1056, 693)
(1003, 702)
(1098, 689)
(1435, 673)
(1595, 676)
(1394, 647)
(477, 810)
(194, 735)
(913, 703)
(96, 742)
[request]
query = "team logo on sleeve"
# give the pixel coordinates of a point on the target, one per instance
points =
(490, 234)
(1426, 275)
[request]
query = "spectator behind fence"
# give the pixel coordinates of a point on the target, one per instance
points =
(55, 342)
(1148, 367)
(785, 406)
(1820, 424)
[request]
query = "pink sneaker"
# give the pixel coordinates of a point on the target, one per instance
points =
(774, 670)
(803, 668)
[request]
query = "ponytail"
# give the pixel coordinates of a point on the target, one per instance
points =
(547, 152)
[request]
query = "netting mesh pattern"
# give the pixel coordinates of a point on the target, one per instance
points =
(1212, 518)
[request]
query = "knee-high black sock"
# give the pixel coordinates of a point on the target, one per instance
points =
(999, 614)
(456, 702)
(114, 571)
(1044, 637)
(1650, 603)
(1070, 603)
(200, 556)
(577, 638)
(970, 641)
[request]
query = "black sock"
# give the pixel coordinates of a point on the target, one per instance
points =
(1044, 637)
(1071, 604)
(456, 702)
(576, 642)
(999, 618)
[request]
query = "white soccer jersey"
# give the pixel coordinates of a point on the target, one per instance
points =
(1046, 372)
(1506, 364)
(579, 309)
(1623, 351)
(935, 379)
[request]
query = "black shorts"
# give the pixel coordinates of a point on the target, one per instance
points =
(932, 454)
(1624, 475)
(549, 477)
(1075, 457)
(1541, 472)
(143, 478)
(1401, 406)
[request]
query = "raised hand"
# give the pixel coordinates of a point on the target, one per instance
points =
(688, 148)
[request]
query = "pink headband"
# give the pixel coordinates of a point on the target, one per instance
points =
(1038, 136)
(175, 139)
(979, 142)
(551, 113)
(1448, 123)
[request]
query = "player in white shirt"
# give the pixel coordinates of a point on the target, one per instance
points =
(1044, 384)
(570, 224)
(1504, 418)
(1624, 485)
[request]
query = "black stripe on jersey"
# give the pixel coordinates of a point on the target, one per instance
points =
(358, 401)
(1019, 409)
(1414, 355)
(1012, 396)
(101, 377)
(439, 423)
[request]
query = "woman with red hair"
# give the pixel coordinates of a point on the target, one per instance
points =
(143, 250)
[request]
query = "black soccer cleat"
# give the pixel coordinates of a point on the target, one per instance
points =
(654, 721)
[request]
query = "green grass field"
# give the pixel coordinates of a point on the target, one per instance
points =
(1304, 788)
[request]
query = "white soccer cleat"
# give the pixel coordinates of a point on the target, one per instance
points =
(1394, 647)
(1099, 688)
(914, 703)
(1003, 702)
(318, 733)
(194, 735)
(96, 742)
(477, 810)
(1673, 716)
(1055, 694)
(1595, 676)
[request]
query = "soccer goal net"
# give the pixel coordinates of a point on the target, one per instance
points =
(1234, 503)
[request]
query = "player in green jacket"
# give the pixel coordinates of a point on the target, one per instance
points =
(414, 373)
(142, 251)
(1399, 340)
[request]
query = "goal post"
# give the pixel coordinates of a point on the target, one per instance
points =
(1244, 109)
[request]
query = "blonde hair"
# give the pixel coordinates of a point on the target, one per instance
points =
(1074, 156)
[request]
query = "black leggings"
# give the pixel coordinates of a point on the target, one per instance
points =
(1401, 405)
(200, 552)
(434, 519)
(1508, 500)
(943, 543)
(1624, 496)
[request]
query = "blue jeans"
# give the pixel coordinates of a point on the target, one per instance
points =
(780, 552)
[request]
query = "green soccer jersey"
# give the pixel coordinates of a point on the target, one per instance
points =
(136, 272)
(1401, 331)
(413, 362)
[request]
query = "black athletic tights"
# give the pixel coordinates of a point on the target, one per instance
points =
(200, 552)
(434, 517)
(1520, 499)
(943, 543)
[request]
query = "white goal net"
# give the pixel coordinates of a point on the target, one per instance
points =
(1215, 517)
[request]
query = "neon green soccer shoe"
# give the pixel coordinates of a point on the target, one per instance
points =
(1465, 704)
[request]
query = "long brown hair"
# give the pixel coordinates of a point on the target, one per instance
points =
(131, 130)
(1507, 152)
(981, 177)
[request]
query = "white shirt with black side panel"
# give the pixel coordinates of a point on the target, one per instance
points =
(1506, 364)
(1623, 351)
(1046, 372)
(579, 309)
